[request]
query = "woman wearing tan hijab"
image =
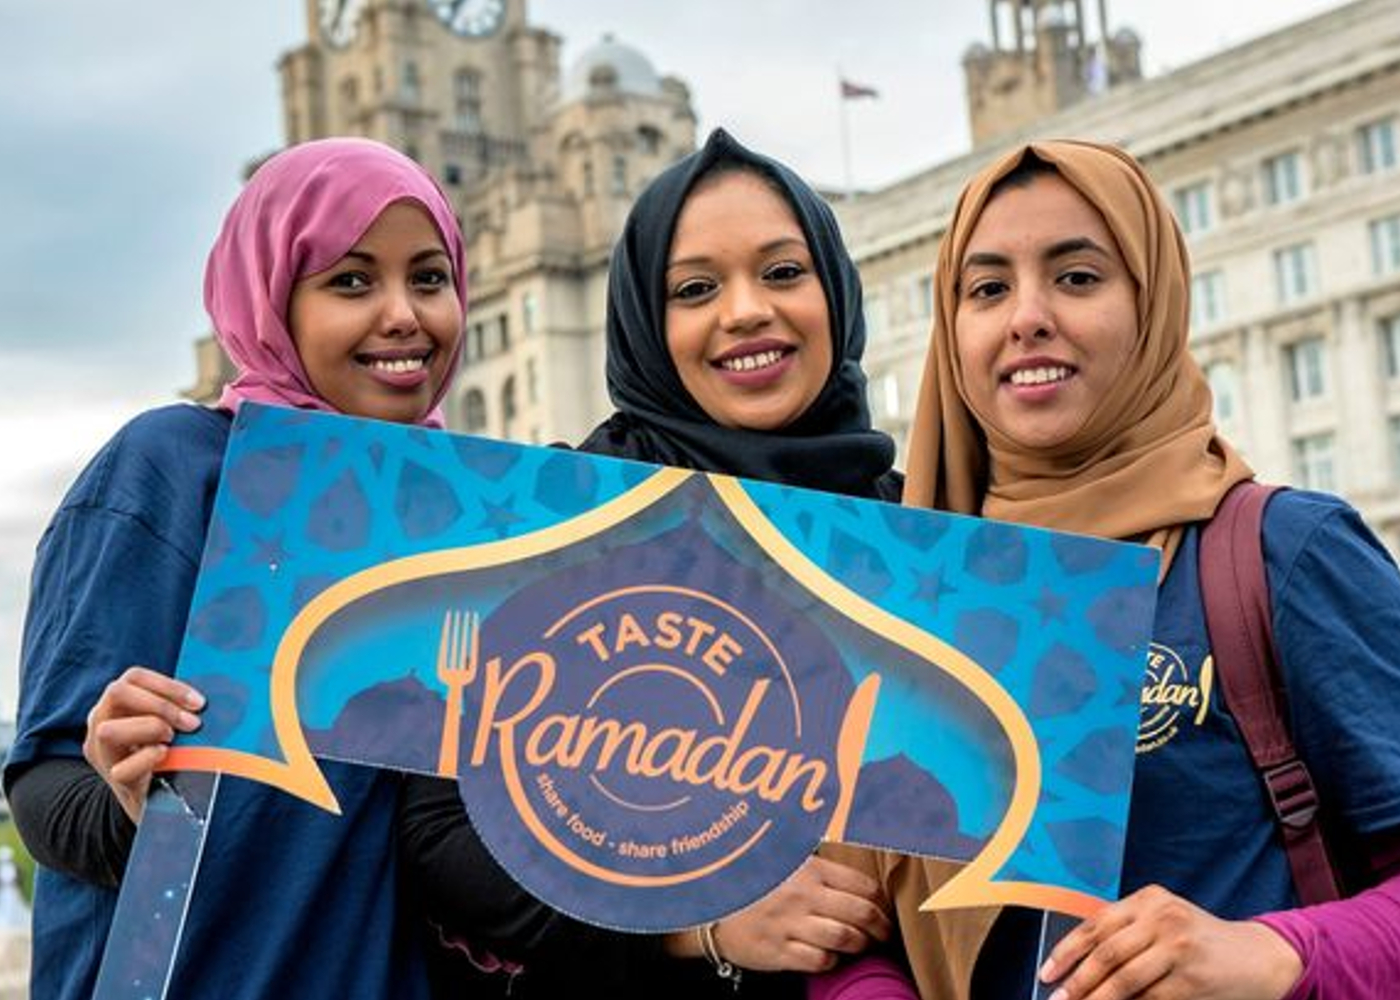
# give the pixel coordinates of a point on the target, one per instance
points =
(1059, 392)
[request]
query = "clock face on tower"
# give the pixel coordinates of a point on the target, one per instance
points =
(472, 18)
(340, 20)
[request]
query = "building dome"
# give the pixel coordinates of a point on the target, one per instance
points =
(611, 66)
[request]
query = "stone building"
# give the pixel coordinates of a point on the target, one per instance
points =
(1282, 159)
(1281, 156)
(1043, 58)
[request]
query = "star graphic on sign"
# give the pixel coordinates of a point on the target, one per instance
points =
(499, 517)
(1051, 605)
(269, 552)
(931, 588)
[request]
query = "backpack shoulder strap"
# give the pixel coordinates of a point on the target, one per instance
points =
(1239, 620)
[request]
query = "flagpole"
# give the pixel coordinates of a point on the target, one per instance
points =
(845, 134)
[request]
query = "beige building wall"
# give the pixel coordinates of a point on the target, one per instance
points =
(539, 238)
(1280, 156)
(458, 104)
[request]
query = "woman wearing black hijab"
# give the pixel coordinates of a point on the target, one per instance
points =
(830, 445)
(734, 336)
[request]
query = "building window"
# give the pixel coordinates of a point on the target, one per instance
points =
(1385, 246)
(889, 395)
(411, 85)
(1395, 449)
(466, 97)
(1307, 364)
(1224, 388)
(529, 310)
(1389, 329)
(923, 297)
(350, 93)
(1295, 273)
(476, 345)
(649, 139)
(1193, 210)
(619, 175)
(508, 408)
(452, 174)
(1313, 465)
(474, 412)
(1376, 147)
(588, 178)
(876, 315)
(503, 333)
(1283, 178)
(1207, 299)
(602, 77)
(532, 381)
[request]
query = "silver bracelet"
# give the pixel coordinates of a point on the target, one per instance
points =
(724, 968)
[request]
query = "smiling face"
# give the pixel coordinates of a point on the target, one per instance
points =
(1046, 316)
(747, 322)
(376, 331)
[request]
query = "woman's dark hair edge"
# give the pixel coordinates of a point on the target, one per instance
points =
(1030, 166)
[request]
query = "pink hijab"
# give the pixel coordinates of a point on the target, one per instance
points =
(300, 213)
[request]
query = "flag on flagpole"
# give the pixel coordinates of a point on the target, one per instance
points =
(850, 91)
(854, 91)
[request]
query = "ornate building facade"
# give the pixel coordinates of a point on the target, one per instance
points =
(1281, 157)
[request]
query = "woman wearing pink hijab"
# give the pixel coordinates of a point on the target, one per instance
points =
(337, 284)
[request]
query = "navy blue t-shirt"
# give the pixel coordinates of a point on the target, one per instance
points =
(291, 901)
(1200, 821)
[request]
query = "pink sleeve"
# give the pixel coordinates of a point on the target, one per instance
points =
(869, 977)
(1349, 949)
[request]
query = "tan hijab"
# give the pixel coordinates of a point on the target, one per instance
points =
(1148, 460)
(1146, 463)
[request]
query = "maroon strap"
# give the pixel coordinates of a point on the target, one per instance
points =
(1239, 619)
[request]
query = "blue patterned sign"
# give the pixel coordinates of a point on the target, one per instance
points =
(660, 689)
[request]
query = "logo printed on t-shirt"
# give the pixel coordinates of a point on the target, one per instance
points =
(1172, 696)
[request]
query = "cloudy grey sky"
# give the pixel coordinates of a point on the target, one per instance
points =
(124, 127)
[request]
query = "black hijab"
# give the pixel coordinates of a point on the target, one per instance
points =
(831, 446)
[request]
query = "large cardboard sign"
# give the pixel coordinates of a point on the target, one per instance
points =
(659, 690)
